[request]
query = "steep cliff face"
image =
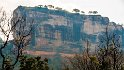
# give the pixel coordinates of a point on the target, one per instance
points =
(61, 31)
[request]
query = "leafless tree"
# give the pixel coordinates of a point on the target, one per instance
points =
(13, 26)
(108, 56)
(110, 49)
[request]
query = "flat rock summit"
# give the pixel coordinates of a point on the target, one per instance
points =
(64, 32)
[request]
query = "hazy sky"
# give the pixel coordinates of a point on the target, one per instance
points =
(114, 9)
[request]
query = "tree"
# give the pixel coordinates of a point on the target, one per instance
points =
(76, 10)
(94, 12)
(110, 53)
(108, 56)
(33, 63)
(58, 8)
(40, 5)
(13, 26)
(82, 12)
(50, 6)
(45, 6)
(90, 12)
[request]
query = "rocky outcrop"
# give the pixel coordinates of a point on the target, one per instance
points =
(61, 31)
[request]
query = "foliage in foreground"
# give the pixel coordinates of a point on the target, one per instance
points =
(29, 63)
(33, 63)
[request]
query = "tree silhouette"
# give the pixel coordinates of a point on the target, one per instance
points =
(82, 12)
(76, 10)
(58, 8)
(20, 39)
(50, 6)
(108, 56)
(40, 5)
(94, 12)
(110, 51)
(45, 6)
(90, 12)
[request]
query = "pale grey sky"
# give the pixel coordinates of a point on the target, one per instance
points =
(114, 9)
